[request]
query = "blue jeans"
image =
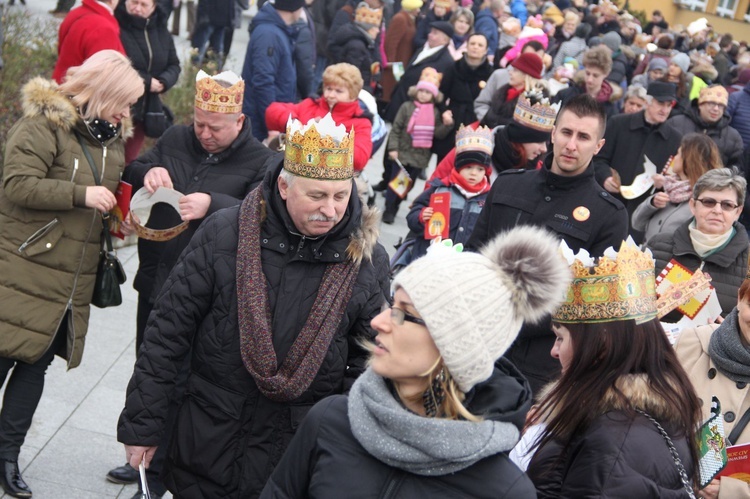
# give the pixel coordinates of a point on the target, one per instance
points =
(204, 33)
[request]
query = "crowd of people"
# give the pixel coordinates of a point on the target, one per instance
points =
(280, 351)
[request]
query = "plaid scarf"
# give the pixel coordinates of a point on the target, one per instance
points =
(295, 375)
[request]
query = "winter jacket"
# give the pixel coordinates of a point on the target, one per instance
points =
(464, 213)
(322, 14)
(305, 56)
(575, 48)
(355, 47)
(228, 437)
(325, 460)
(486, 24)
(497, 79)
(423, 27)
(621, 69)
(349, 114)
(612, 92)
(739, 110)
(440, 60)
(651, 220)
(149, 46)
(461, 85)
(49, 249)
(85, 31)
(399, 139)
(501, 110)
(344, 15)
(727, 139)
(268, 71)
(617, 455)
(398, 48)
(227, 177)
(692, 350)
(629, 141)
(519, 11)
(727, 267)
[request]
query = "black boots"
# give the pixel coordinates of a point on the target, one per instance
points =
(124, 475)
(12, 481)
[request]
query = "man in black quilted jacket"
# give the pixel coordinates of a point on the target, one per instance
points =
(271, 300)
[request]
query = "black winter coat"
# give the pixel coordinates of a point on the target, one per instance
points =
(461, 85)
(228, 436)
(149, 45)
(227, 177)
(727, 267)
(727, 139)
(578, 210)
(501, 109)
(326, 461)
(355, 47)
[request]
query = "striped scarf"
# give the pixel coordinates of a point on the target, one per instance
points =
(295, 375)
(421, 125)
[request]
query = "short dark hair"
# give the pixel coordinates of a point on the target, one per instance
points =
(725, 41)
(585, 106)
(657, 13)
(534, 44)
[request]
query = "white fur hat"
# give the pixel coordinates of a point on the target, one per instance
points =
(475, 303)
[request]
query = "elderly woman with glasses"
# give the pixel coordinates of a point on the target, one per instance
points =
(713, 240)
(438, 408)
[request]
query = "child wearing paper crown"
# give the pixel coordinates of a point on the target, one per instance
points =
(417, 123)
(468, 185)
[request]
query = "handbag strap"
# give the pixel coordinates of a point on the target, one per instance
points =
(673, 451)
(734, 435)
(97, 180)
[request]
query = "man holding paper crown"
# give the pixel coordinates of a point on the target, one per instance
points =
(212, 164)
(269, 304)
(564, 197)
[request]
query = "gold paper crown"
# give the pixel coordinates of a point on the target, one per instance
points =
(430, 75)
(446, 4)
(321, 151)
(364, 14)
(620, 287)
(468, 139)
(211, 96)
(536, 112)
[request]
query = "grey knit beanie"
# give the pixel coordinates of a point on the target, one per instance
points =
(475, 303)
(682, 60)
(612, 40)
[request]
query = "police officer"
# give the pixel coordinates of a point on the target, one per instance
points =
(564, 197)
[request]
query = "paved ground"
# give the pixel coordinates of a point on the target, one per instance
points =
(72, 442)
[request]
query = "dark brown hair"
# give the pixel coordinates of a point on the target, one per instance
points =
(605, 352)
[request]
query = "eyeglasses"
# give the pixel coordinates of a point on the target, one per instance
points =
(711, 202)
(714, 104)
(398, 316)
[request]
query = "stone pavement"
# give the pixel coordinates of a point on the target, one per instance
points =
(72, 442)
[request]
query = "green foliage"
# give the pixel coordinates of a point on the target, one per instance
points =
(29, 50)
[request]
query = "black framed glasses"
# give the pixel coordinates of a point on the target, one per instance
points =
(398, 316)
(711, 202)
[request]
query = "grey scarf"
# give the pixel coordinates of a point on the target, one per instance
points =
(420, 445)
(727, 351)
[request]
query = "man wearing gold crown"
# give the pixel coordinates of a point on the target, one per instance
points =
(562, 196)
(270, 301)
(215, 163)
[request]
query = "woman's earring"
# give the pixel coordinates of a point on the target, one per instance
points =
(434, 395)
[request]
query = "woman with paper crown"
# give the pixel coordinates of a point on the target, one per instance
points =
(717, 360)
(666, 210)
(712, 240)
(438, 407)
(50, 221)
(621, 420)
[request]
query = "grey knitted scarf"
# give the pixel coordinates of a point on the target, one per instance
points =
(420, 445)
(726, 349)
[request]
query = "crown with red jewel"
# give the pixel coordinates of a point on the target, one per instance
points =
(212, 95)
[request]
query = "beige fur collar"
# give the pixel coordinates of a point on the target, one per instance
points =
(40, 97)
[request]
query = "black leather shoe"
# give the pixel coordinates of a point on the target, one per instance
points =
(124, 475)
(12, 481)
(380, 186)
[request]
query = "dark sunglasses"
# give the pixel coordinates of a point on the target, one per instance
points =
(711, 202)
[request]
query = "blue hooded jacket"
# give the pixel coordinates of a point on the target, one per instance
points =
(486, 24)
(269, 72)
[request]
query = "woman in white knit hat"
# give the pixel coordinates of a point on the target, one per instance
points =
(437, 410)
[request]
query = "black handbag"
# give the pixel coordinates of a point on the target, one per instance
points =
(109, 274)
(157, 117)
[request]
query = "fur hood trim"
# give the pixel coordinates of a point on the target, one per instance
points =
(41, 97)
(362, 242)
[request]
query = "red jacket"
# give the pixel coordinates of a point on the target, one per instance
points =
(84, 32)
(347, 113)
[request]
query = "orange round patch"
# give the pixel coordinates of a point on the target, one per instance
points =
(581, 213)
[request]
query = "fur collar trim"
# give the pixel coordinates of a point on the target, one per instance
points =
(41, 97)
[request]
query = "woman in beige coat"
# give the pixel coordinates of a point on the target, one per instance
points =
(717, 360)
(50, 230)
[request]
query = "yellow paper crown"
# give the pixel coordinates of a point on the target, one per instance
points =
(536, 112)
(430, 75)
(620, 287)
(364, 14)
(321, 151)
(211, 96)
(446, 4)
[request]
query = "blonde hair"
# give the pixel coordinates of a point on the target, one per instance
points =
(346, 75)
(104, 83)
